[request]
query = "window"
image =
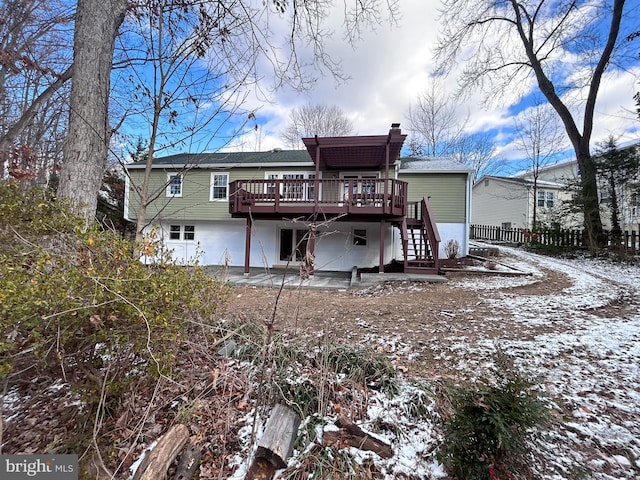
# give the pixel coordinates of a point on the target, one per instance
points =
(182, 232)
(506, 225)
(310, 187)
(292, 186)
(271, 187)
(219, 187)
(486, 183)
(174, 232)
(546, 199)
(174, 185)
(360, 237)
(360, 183)
(550, 201)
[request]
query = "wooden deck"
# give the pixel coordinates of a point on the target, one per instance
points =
(366, 198)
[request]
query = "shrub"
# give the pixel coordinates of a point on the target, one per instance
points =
(488, 427)
(452, 249)
(76, 302)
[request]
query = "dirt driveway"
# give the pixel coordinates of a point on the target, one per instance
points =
(575, 323)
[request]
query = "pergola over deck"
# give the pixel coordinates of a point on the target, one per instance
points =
(386, 200)
(367, 152)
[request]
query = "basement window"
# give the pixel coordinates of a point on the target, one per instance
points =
(360, 237)
(182, 232)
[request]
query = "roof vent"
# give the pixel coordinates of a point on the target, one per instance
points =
(277, 149)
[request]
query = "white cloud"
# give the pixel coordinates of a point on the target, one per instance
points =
(389, 67)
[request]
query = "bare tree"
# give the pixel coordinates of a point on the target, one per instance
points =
(434, 123)
(35, 51)
(438, 130)
(180, 93)
(86, 146)
(476, 151)
(540, 137)
(318, 119)
(508, 44)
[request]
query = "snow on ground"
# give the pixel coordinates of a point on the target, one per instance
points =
(588, 359)
(574, 324)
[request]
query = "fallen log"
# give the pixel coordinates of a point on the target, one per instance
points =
(352, 435)
(157, 461)
(275, 445)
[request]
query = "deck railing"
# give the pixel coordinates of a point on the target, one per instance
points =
(367, 196)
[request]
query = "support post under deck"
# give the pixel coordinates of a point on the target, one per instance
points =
(382, 232)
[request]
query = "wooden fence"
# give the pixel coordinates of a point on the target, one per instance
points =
(629, 241)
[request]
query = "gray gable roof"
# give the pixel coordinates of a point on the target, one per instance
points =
(229, 159)
(527, 182)
(279, 157)
(433, 165)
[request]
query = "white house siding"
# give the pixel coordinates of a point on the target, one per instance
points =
(453, 231)
(564, 173)
(223, 242)
(500, 202)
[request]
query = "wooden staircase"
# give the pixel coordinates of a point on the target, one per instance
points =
(420, 239)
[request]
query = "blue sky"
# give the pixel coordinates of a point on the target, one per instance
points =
(389, 66)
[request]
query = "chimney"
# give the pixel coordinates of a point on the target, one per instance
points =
(395, 129)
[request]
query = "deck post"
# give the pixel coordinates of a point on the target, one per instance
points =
(316, 182)
(247, 246)
(386, 175)
(382, 232)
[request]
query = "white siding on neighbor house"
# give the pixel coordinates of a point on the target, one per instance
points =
(223, 242)
(500, 202)
(563, 173)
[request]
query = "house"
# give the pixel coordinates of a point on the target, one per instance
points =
(344, 202)
(512, 202)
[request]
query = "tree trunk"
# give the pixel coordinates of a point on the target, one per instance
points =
(591, 207)
(352, 435)
(86, 147)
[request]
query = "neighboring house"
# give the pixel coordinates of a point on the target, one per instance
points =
(510, 202)
(344, 202)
